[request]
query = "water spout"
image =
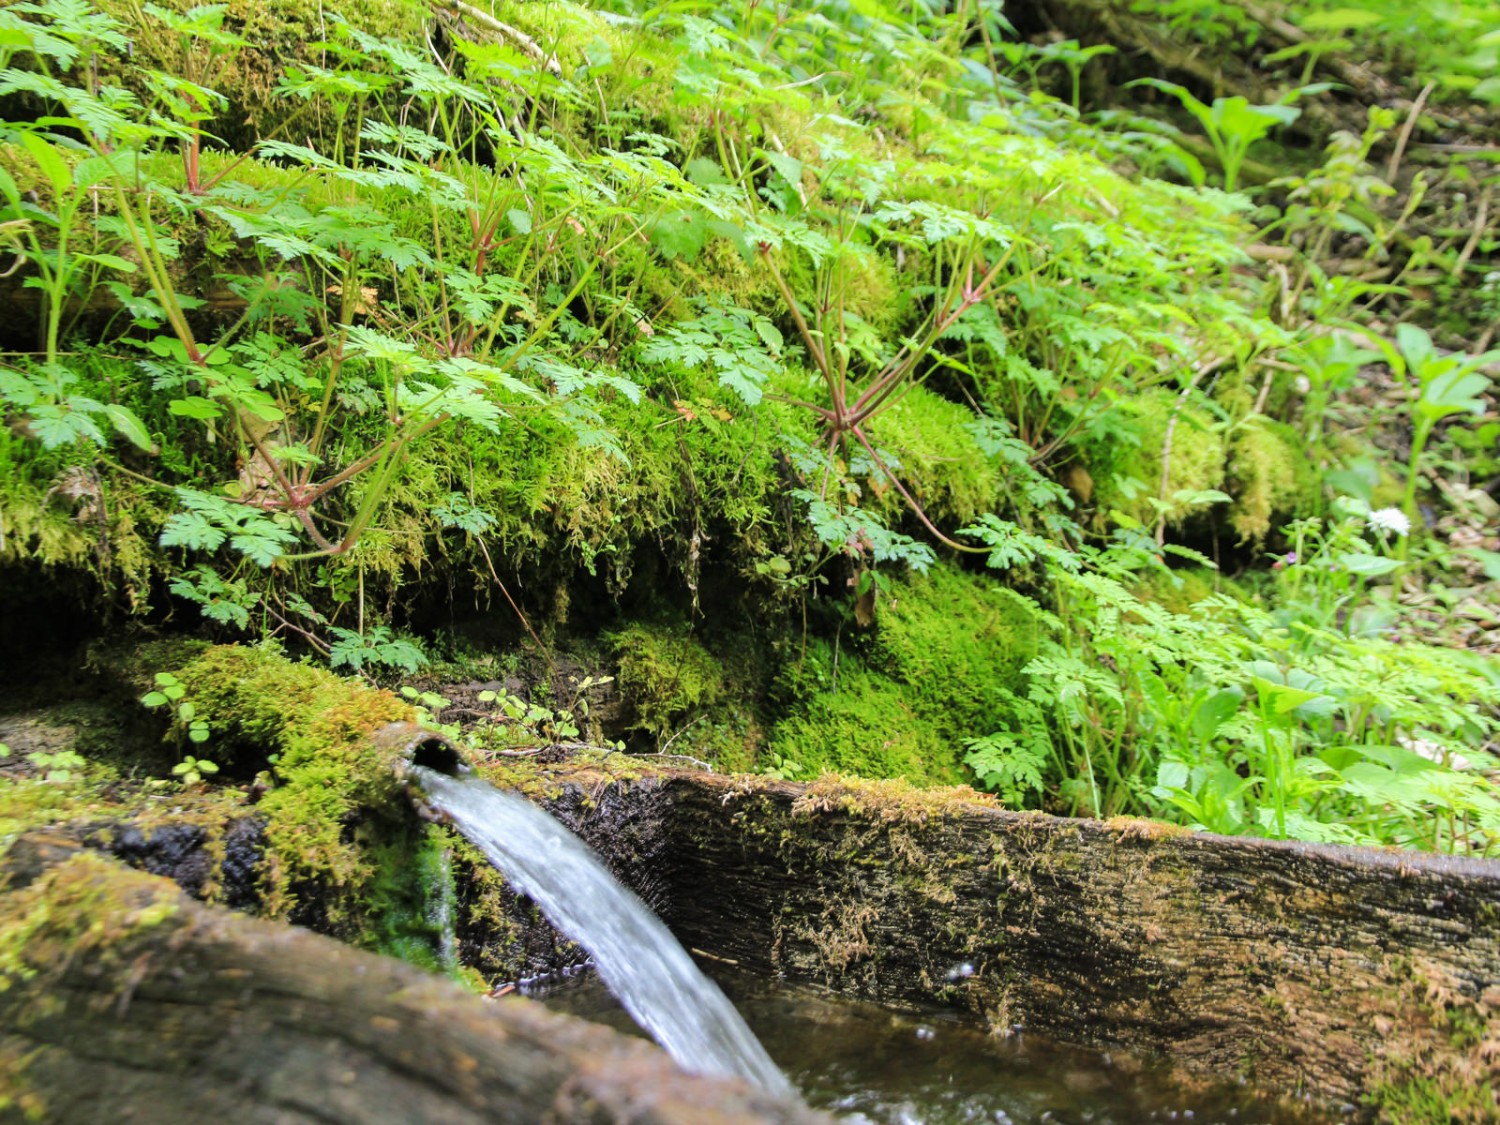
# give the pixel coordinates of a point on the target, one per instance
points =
(635, 954)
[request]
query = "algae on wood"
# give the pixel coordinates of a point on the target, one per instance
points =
(1338, 973)
(120, 998)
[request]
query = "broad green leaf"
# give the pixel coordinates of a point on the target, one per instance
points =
(1415, 346)
(129, 426)
(50, 161)
(1368, 566)
(1453, 392)
(194, 406)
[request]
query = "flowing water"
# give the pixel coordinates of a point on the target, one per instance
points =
(635, 954)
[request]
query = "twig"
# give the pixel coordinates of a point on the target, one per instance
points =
(525, 42)
(1166, 445)
(547, 656)
(1481, 220)
(702, 765)
(1394, 164)
(679, 734)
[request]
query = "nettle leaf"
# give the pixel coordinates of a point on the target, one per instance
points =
(488, 374)
(193, 530)
(734, 341)
(379, 646)
(860, 534)
(463, 399)
(400, 354)
(590, 430)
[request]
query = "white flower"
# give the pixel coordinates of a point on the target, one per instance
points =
(1390, 519)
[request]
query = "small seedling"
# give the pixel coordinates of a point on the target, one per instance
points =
(192, 771)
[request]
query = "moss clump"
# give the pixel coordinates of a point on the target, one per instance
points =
(275, 36)
(943, 664)
(411, 896)
(862, 723)
(1126, 464)
(941, 462)
(887, 801)
(959, 642)
(81, 904)
(665, 674)
(1271, 478)
(1430, 1101)
(319, 728)
(1180, 589)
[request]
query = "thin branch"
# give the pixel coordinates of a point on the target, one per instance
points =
(1394, 164)
(524, 42)
(911, 501)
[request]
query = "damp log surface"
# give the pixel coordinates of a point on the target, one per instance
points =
(1304, 970)
(122, 999)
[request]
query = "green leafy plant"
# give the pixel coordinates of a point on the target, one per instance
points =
(194, 771)
(171, 693)
(57, 766)
(1446, 385)
(1232, 124)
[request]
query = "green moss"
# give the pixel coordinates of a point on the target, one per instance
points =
(943, 664)
(1271, 478)
(319, 726)
(863, 723)
(1126, 465)
(958, 641)
(941, 463)
(410, 896)
(1180, 589)
(82, 904)
(277, 35)
(665, 674)
(1436, 1101)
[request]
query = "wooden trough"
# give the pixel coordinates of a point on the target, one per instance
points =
(1338, 977)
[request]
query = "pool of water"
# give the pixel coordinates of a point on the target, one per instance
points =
(870, 1064)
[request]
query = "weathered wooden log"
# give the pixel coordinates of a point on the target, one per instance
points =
(1336, 973)
(122, 999)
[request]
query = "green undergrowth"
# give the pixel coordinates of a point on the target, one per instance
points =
(738, 341)
(900, 700)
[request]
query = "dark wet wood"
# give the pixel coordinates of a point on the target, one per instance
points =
(121, 999)
(1300, 969)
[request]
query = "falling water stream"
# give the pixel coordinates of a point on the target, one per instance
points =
(635, 954)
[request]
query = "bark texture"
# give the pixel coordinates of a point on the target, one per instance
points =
(121, 999)
(1329, 972)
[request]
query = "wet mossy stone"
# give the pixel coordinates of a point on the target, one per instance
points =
(329, 775)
